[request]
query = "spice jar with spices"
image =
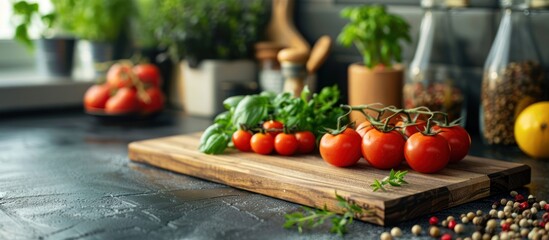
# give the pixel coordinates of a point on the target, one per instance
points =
(434, 78)
(513, 74)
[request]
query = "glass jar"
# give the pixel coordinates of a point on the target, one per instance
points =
(513, 75)
(270, 73)
(433, 79)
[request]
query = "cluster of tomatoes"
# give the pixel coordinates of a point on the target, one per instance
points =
(425, 152)
(272, 137)
(128, 90)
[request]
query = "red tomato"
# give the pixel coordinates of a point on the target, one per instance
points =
(427, 154)
(262, 143)
(383, 150)
(411, 129)
(155, 102)
(458, 139)
(148, 74)
(274, 126)
(124, 101)
(363, 128)
(241, 140)
(96, 97)
(285, 144)
(305, 141)
(119, 76)
(341, 150)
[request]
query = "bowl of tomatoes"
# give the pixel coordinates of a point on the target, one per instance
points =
(129, 92)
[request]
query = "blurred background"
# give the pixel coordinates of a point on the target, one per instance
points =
(166, 32)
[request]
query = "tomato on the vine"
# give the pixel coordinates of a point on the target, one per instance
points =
(383, 150)
(363, 128)
(262, 143)
(341, 150)
(96, 97)
(155, 102)
(410, 129)
(305, 141)
(241, 140)
(273, 127)
(285, 144)
(148, 74)
(458, 139)
(119, 75)
(427, 153)
(124, 101)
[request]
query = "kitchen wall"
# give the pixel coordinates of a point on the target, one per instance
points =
(475, 29)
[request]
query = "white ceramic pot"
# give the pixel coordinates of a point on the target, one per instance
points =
(206, 86)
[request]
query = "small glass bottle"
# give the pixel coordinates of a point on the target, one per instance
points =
(433, 79)
(513, 74)
(270, 73)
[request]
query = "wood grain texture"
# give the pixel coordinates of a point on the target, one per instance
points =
(308, 180)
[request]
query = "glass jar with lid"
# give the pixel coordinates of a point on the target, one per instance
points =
(513, 74)
(433, 79)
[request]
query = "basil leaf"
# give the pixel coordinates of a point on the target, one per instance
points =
(232, 102)
(223, 118)
(251, 110)
(215, 144)
(209, 132)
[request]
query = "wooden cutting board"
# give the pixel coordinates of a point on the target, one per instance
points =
(308, 180)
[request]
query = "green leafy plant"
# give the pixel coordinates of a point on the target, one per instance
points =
(376, 33)
(100, 20)
(26, 13)
(395, 179)
(312, 218)
(146, 21)
(214, 29)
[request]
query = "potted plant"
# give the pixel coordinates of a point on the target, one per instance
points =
(377, 34)
(55, 47)
(215, 38)
(102, 27)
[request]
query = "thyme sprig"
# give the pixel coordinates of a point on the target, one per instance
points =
(312, 218)
(395, 179)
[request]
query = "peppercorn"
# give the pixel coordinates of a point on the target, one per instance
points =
(501, 214)
(546, 207)
(396, 232)
(452, 224)
(534, 210)
(513, 193)
(524, 223)
(416, 230)
(450, 218)
(503, 201)
(531, 199)
(491, 223)
(505, 226)
(433, 220)
(507, 209)
(536, 205)
(464, 220)
(486, 236)
(434, 232)
(524, 205)
(459, 228)
(514, 227)
(477, 220)
(470, 215)
(479, 212)
(476, 236)
(493, 213)
(519, 198)
(546, 227)
(510, 203)
(446, 236)
(444, 223)
(385, 236)
(524, 232)
(542, 203)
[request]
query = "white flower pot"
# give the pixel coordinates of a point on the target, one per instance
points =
(211, 82)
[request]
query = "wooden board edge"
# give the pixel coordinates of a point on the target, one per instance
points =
(265, 186)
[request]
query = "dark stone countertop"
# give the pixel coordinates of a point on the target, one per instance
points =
(65, 175)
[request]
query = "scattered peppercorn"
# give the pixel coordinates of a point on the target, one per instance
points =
(459, 228)
(524, 205)
(416, 230)
(386, 236)
(396, 232)
(433, 220)
(464, 220)
(452, 224)
(513, 193)
(434, 232)
(446, 236)
(505, 226)
(519, 198)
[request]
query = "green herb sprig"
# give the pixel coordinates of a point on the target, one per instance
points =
(312, 218)
(395, 179)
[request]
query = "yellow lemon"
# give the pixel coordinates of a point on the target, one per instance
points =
(532, 130)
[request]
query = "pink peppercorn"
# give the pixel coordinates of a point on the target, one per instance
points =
(519, 198)
(523, 205)
(505, 227)
(433, 220)
(446, 236)
(452, 224)
(546, 207)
